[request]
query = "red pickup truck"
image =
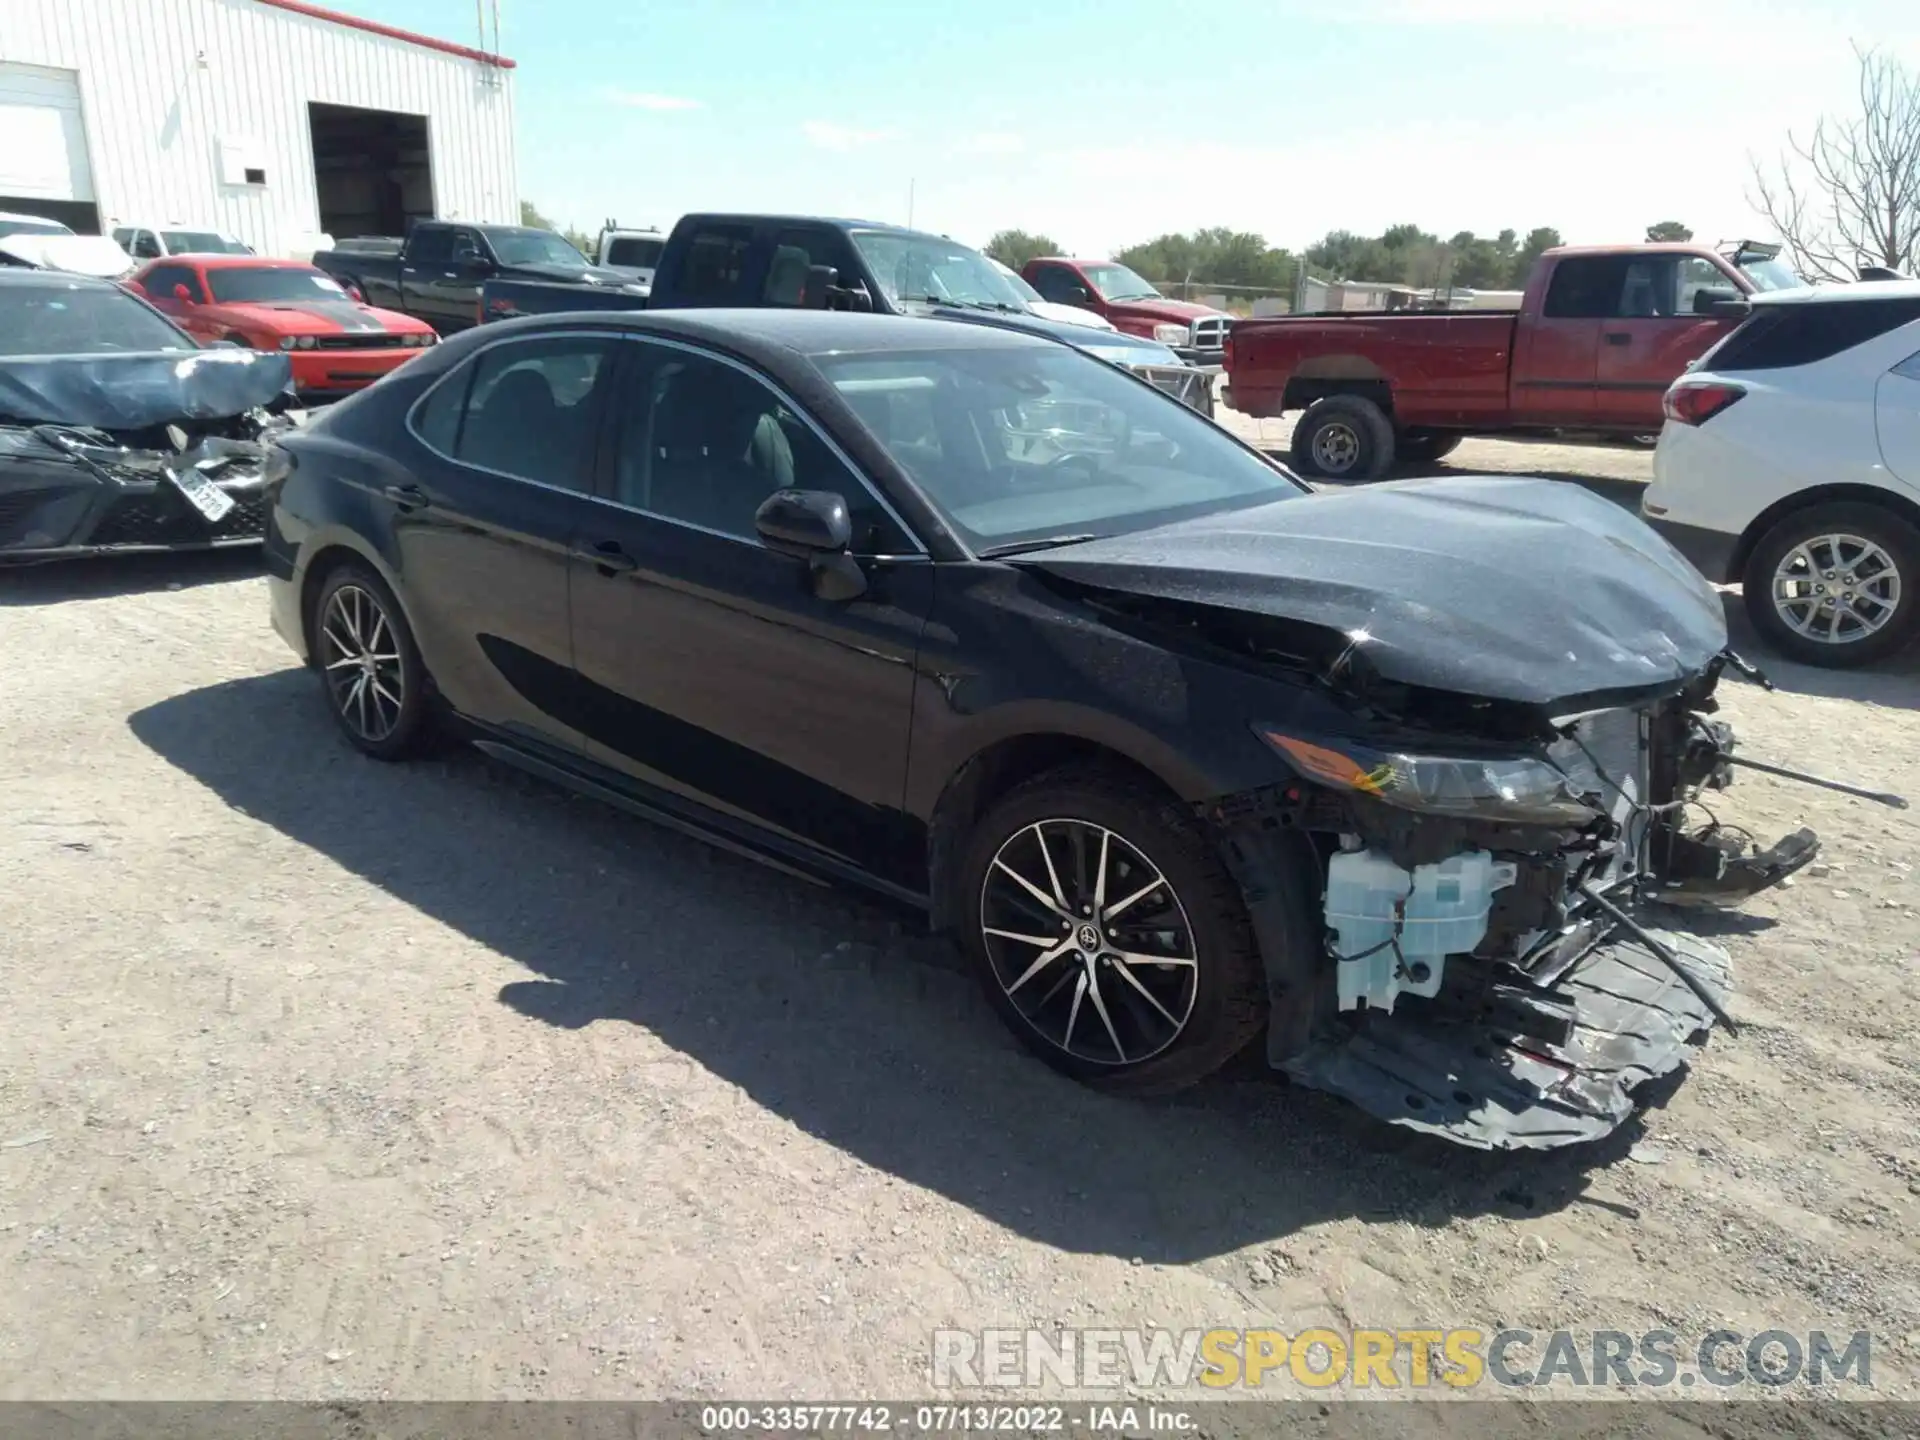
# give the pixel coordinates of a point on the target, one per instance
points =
(1196, 333)
(1600, 334)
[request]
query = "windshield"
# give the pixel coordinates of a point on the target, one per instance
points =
(200, 242)
(635, 254)
(535, 247)
(80, 320)
(1027, 443)
(924, 267)
(1117, 282)
(32, 227)
(270, 283)
(1770, 274)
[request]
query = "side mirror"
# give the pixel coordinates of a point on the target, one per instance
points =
(822, 281)
(804, 522)
(813, 525)
(1737, 308)
(1079, 295)
(183, 294)
(1705, 299)
(356, 294)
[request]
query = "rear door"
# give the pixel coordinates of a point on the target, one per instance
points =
(714, 267)
(710, 668)
(1554, 362)
(441, 276)
(510, 439)
(1651, 333)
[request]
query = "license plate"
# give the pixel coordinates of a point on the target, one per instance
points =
(209, 499)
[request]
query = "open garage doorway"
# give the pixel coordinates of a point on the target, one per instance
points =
(372, 169)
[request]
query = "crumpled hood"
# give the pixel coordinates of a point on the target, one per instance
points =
(132, 392)
(1502, 588)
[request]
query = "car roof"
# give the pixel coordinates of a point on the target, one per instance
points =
(833, 222)
(811, 333)
(27, 279)
(1841, 293)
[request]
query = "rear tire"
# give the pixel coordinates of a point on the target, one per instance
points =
(1343, 437)
(376, 685)
(1193, 989)
(1423, 447)
(1836, 585)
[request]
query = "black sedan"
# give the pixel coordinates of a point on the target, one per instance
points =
(1184, 753)
(118, 432)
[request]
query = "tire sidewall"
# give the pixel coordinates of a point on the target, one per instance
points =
(1869, 521)
(1370, 427)
(1160, 833)
(415, 707)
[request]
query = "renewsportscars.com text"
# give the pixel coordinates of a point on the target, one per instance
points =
(1414, 1358)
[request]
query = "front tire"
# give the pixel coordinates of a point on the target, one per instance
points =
(1835, 585)
(1343, 437)
(1423, 447)
(1107, 934)
(376, 686)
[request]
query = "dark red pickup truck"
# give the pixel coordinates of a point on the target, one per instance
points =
(1600, 334)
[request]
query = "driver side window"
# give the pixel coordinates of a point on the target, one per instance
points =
(704, 443)
(1058, 284)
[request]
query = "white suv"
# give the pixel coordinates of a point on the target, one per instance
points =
(1790, 465)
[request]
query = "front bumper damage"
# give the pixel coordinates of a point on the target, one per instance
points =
(67, 493)
(1565, 1005)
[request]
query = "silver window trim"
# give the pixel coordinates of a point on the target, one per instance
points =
(615, 337)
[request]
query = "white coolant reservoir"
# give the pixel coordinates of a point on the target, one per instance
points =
(1433, 911)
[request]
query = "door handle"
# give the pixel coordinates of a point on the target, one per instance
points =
(407, 497)
(611, 558)
(1619, 337)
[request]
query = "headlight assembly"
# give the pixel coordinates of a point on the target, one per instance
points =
(1170, 334)
(1521, 789)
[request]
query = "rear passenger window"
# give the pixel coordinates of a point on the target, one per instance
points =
(431, 247)
(525, 409)
(1585, 287)
(716, 256)
(1776, 337)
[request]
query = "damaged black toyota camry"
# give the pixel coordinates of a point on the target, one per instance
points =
(118, 432)
(1399, 784)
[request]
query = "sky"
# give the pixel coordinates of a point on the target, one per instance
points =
(1102, 123)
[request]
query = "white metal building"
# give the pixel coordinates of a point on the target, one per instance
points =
(273, 120)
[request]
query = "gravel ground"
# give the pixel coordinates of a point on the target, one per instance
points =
(323, 1078)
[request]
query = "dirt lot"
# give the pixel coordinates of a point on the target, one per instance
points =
(322, 1078)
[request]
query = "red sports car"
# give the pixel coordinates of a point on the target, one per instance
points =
(337, 343)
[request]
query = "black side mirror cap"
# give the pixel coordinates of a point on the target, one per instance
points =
(804, 523)
(822, 282)
(1730, 309)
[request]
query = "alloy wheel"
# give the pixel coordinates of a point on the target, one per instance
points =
(1336, 447)
(360, 656)
(1089, 942)
(1836, 589)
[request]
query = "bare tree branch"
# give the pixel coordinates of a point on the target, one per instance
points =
(1849, 196)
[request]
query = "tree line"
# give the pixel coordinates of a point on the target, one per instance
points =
(1400, 255)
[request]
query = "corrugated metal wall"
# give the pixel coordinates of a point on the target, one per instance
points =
(164, 82)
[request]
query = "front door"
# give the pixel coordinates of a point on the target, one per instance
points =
(710, 667)
(507, 444)
(1652, 333)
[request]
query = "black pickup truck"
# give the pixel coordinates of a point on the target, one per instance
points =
(439, 271)
(752, 261)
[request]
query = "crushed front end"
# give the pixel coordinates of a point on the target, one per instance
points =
(110, 454)
(1498, 958)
